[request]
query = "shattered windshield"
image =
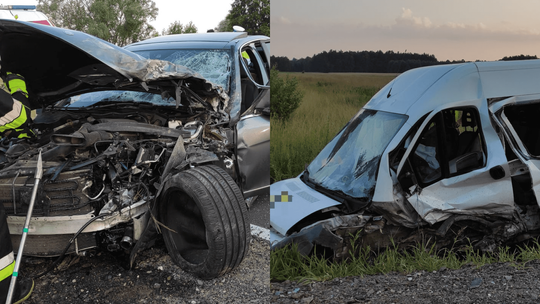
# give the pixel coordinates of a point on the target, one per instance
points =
(213, 65)
(349, 163)
(88, 99)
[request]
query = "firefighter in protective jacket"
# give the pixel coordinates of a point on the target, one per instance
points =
(15, 114)
(14, 122)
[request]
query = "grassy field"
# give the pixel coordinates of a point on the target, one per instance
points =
(287, 264)
(330, 100)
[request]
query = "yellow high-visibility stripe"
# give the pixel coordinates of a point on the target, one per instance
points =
(8, 264)
(16, 83)
(7, 272)
(24, 135)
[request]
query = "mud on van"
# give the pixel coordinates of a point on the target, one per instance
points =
(450, 152)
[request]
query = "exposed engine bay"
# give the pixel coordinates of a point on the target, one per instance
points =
(107, 160)
(133, 146)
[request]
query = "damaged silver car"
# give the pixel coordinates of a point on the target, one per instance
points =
(447, 153)
(132, 147)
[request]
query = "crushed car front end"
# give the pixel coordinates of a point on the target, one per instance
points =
(130, 147)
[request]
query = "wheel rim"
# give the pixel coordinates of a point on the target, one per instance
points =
(183, 216)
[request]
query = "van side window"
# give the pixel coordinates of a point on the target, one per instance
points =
(524, 119)
(468, 151)
(450, 145)
(426, 158)
(397, 154)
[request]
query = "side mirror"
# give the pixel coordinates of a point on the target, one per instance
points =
(497, 172)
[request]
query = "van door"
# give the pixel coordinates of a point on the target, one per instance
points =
(518, 119)
(446, 170)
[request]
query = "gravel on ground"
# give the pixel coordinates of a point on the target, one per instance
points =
(495, 283)
(155, 279)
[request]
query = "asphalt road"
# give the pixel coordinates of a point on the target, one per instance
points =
(259, 213)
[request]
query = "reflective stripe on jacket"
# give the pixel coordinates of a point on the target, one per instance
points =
(15, 114)
(7, 264)
(15, 118)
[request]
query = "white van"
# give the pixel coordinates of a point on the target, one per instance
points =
(449, 153)
(24, 13)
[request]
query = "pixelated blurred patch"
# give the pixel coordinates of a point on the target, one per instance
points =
(283, 198)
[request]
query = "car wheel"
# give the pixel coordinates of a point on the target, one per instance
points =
(205, 217)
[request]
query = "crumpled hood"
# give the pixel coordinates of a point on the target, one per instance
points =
(58, 63)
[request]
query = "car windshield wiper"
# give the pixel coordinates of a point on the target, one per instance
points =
(352, 204)
(112, 104)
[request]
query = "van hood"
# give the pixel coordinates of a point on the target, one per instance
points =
(58, 63)
(295, 202)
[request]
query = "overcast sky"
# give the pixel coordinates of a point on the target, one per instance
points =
(453, 30)
(205, 14)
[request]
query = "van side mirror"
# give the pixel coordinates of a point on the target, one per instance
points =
(497, 172)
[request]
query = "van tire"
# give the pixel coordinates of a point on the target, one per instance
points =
(204, 221)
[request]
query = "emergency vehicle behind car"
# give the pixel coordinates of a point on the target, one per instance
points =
(24, 13)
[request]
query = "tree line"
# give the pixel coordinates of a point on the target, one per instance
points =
(122, 22)
(364, 62)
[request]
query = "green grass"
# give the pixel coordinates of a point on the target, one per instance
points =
(330, 101)
(288, 264)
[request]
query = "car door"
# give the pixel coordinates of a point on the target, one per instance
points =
(253, 129)
(455, 164)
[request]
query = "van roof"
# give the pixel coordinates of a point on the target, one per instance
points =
(424, 89)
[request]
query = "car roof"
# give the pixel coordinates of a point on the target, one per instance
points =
(213, 40)
(198, 37)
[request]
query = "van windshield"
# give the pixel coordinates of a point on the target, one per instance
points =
(349, 163)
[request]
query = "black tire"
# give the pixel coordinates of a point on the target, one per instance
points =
(207, 217)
